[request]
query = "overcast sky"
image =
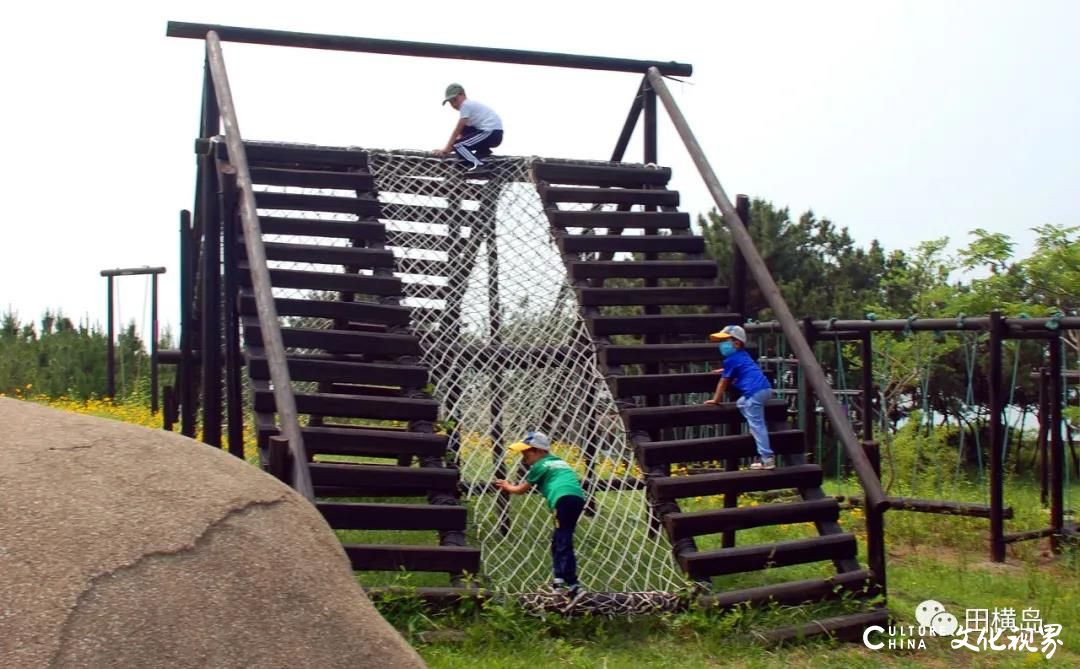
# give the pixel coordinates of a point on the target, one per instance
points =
(901, 120)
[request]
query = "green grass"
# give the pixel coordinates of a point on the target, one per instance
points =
(930, 557)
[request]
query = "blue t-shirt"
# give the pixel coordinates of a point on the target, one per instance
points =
(744, 373)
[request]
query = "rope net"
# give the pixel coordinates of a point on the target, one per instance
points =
(500, 330)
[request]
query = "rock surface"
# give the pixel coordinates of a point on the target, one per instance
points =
(122, 546)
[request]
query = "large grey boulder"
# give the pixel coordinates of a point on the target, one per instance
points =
(122, 546)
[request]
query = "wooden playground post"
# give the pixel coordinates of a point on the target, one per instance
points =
(1044, 437)
(1057, 446)
(997, 440)
(234, 396)
(867, 354)
(110, 353)
(807, 415)
(184, 376)
(649, 152)
(209, 224)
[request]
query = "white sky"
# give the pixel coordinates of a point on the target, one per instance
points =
(901, 120)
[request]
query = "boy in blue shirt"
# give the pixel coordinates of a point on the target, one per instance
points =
(565, 498)
(741, 371)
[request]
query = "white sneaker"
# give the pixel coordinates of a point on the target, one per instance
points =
(764, 463)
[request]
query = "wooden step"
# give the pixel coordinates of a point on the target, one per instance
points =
(362, 441)
(369, 229)
(712, 521)
(635, 354)
(646, 196)
(663, 384)
(631, 243)
(360, 258)
(601, 175)
(702, 485)
(328, 281)
(404, 481)
(705, 564)
(655, 453)
(358, 206)
(381, 557)
(701, 324)
(844, 628)
(434, 597)
(620, 220)
(656, 418)
(354, 406)
(392, 516)
(642, 269)
(360, 312)
(858, 583)
(646, 296)
(365, 390)
(324, 368)
(307, 157)
(338, 341)
(277, 176)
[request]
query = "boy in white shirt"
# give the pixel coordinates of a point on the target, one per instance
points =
(478, 130)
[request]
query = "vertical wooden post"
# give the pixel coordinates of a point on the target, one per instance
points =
(110, 352)
(153, 344)
(185, 377)
(649, 107)
(867, 353)
(650, 156)
(807, 410)
(210, 321)
(875, 524)
(997, 441)
(1044, 438)
(1057, 445)
(234, 396)
(208, 226)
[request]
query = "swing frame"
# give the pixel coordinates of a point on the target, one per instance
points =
(1000, 329)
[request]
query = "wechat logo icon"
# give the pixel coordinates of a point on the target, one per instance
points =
(932, 615)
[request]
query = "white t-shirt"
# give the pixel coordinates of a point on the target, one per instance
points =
(480, 116)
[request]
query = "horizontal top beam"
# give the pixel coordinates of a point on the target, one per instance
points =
(132, 271)
(421, 49)
(844, 327)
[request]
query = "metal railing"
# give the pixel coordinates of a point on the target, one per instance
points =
(260, 274)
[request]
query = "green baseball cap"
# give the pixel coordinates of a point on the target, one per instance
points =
(451, 91)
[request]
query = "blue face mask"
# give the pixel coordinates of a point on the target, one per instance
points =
(726, 348)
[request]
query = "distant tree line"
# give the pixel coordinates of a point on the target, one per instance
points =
(58, 358)
(823, 274)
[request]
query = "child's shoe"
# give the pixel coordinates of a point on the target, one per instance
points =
(764, 463)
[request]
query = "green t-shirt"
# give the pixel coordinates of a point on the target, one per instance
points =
(555, 479)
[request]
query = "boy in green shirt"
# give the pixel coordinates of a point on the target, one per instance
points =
(559, 485)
